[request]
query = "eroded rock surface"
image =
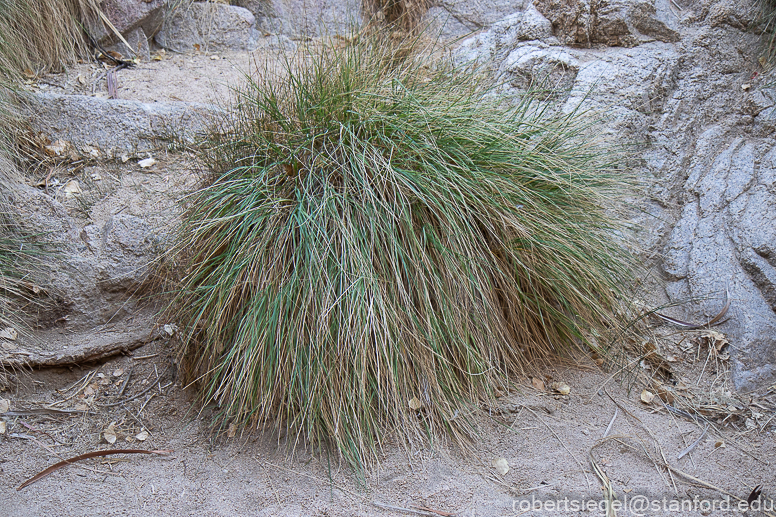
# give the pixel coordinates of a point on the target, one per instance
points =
(209, 27)
(685, 82)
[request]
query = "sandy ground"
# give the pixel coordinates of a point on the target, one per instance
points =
(553, 444)
(547, 440)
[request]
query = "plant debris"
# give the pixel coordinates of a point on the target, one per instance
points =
(95, 454)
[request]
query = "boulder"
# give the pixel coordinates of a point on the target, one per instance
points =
(210, 28)
(457, 18)
(627, 23)
(138, 45)
(116, 127)
(505, 35)
(129, 15)
(97, 268)
(302, 19)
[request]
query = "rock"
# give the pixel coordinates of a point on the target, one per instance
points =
(119, 126)
(96, 269)
(209, 27)
(611, 22)
(456, 18)
(532, 64)
(693, 92)
(130, 15)
(522, 24)
(138, 42)
(504, 35)
(301, 19)
(726, 238)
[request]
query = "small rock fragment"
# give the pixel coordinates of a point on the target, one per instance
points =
(148, 162)
(561, 387)
(501, 465)
(9, 333)
(72, 188)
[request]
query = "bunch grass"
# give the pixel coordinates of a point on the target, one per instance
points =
(38, 35)
(382, 242)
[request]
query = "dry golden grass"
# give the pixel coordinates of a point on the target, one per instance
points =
(39, 35)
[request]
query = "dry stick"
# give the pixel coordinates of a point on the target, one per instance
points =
(89, 378)
(436, 512)
(705, 363)
(129, 399)
(693, 445)
(86, 456)
(53, 453)
(126, 381)
(649, 431)
(673, 418)
(140, 357)
(607, 486)
(112, 81)
(700, 419)
(400, 509)
(28, 426)
(45, 411)
(145, 404)
(76, 383)
(611, 423)
(562, 443)
(692, 326)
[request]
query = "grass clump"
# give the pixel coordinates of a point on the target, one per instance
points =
(37, 35)
(382, 242)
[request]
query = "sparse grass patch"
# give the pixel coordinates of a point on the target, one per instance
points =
(383, 242)
(18, 253)
(766, 25)
(403, 15)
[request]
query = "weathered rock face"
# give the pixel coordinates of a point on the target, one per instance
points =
(128, 15)
(136, 20)
(611, 22)
(112, 128)
(684, 80)
(301, 19)
(209, 27)
(101, 266)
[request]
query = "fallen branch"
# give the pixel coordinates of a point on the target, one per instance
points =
(75, 355)
(94, 454)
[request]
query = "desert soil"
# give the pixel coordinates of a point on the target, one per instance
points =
(552, 443)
